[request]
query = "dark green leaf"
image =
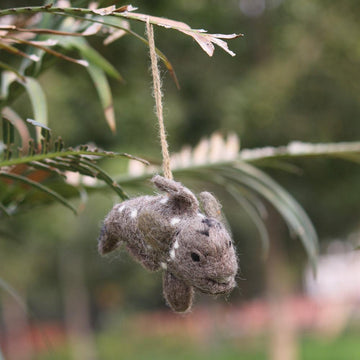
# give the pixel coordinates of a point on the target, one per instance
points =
(254, 216)
(293, 213)
(40, 187)
(8, 137)
(64, 154)
(4, 210)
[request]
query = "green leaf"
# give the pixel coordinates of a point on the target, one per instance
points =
(38, 102)
(13, 70)
(40, 187)
(91, 55)
(289, 208)
(8, 132)
(102, 86)
(86, 167)
(162, 56)
(254, 215)
(8, 136)
(55, 166)
(7, 78)
(5, 211)
(64, 154)
(45, 133)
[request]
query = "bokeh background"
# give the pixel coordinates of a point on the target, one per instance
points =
(296, 76)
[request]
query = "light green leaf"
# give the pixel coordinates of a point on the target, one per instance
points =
(129, 31)
(91, 55)
(7, 78)
(38, 102)
(102, 86)
(10, 69)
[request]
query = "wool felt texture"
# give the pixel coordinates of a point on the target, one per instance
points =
(169, 232)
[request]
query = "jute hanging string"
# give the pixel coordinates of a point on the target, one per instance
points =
(158, 101)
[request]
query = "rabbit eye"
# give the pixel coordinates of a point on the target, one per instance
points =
(195, 257)
(230, 243)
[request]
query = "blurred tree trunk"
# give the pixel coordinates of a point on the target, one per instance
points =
(76, 305)
(18, 344)
(283, 342)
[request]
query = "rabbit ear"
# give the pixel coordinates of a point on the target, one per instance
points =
(210, 205)
(183, 197)
(156, 232)
(178, 295)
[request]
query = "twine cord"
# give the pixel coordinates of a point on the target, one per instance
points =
(158, 101)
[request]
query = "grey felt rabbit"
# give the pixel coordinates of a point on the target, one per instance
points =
(169, 232)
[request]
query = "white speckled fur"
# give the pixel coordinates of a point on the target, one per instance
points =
(174, 221)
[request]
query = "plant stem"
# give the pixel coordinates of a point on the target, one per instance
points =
(79, 13)
(61, 154)
(44, 9)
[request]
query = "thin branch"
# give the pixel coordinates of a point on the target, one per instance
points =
(298, 149)
(61, 154)
(46, 49)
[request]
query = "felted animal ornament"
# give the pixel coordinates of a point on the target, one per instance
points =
(170, 232)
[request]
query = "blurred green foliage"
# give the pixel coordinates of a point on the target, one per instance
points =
(119, 345)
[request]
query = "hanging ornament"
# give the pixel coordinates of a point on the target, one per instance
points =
(173, 231)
